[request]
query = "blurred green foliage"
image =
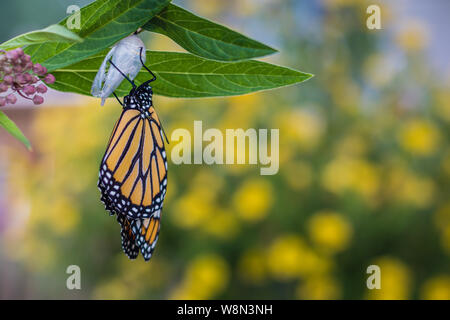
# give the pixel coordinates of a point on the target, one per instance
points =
(364, 179)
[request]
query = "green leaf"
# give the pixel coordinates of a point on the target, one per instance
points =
(12, 128)
(53, 33)
(103, 23)
(186, 76)
(205, 38)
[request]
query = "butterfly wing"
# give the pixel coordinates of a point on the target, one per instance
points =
(146, 232)
(133, 171)
(128, 238)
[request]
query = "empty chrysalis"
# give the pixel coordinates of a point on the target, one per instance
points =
(125, 55)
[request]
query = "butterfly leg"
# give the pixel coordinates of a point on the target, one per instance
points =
(115, 95)
(140, 57)
(130, 81)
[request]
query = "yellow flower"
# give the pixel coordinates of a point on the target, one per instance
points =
(395, 280)
(300, 128)
(419, 137)
(407, 188)
(206, 276)
(253, 199)
(413, 36)
(194, 208)
(63, 216)
(436, 288)
(319, 288)
(330, 231)
(351, 174)
(284, 256)
(252, 266)
(197, 205)
(352, 145)
(289, 257)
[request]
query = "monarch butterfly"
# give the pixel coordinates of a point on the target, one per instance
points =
(133, 171)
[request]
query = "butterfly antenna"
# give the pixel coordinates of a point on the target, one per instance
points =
(164, 132)
(121, 103)
(123, 74)
(140, 57)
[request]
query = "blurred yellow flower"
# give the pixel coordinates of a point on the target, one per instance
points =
(289, 257)
(63, 216)
(206, 276)
(352, 145)
(413, 36)
(407, 188)
(300, 128)
(436, 288)
(198, 204)
(252, 266)
(395, 280)
(351, 174)
(319, 288)
(253, 199)
(193, 208)
(419, 137)
(284, 257)
(330, 231)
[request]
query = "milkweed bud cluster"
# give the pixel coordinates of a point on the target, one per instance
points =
(21, 76)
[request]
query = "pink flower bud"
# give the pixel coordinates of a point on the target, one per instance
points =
(2, 101)
(26, 58)
(29, 90)
(34, 79)
(19, 52)
(39, 69)
(11, 98)
(12, 55)
(3, 87)
(41, 88)
(38, 99)
(18, 69)
(28, 77)
(49, 79)
(20, 78)
(7, 70)
(28, 66)
(8, 79)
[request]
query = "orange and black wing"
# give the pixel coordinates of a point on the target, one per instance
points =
(133, 172)
(146, 232)
(128, 238)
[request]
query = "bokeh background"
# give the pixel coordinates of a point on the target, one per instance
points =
(364, 169)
